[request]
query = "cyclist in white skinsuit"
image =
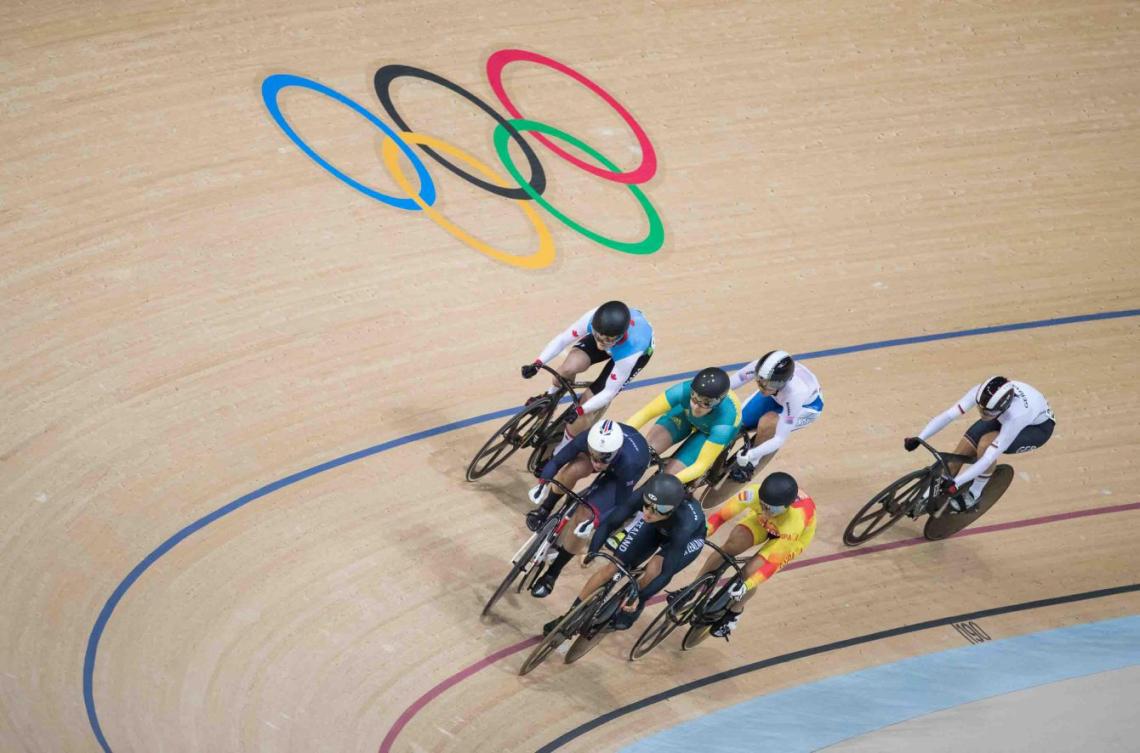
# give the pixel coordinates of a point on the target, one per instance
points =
(788, 398)
(1016, 418)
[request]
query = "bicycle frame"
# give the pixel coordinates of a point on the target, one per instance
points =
(566, 514)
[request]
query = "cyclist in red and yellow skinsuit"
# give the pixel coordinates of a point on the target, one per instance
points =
(781, 520)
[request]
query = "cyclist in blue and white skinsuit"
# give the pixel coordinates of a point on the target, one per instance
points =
(611, 332)
(789, 398)
(1016, 418)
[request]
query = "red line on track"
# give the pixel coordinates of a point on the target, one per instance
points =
(463, 674)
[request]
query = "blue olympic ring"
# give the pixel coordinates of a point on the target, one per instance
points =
(278, 81)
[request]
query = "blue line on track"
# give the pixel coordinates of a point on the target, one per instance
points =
(121, 590)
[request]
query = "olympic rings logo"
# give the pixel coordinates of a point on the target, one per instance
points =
(526, 192)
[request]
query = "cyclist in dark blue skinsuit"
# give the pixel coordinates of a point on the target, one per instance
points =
(663, 520)
(619, 455)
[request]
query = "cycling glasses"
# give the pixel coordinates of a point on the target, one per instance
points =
(705, 402)
(771, 510)
(659, 509)
(770, 385)
(606, 342)
(602, 458)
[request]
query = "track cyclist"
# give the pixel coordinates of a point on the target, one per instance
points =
(788, 398)
(780, 520)
(1016, 418)
(703, 413)
(667, 533)
(619, 455)
(612, 332)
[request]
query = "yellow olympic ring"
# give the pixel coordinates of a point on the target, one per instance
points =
(540, 258)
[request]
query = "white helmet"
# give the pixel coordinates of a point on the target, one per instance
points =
(995, 396)
(774, 369)
(605, 440)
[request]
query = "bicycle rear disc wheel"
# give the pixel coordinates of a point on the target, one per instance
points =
(673, 616)
(949, 523)
(885, 508)
(696, 635)
(508, 438)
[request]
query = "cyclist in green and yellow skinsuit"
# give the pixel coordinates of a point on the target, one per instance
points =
(701, 412)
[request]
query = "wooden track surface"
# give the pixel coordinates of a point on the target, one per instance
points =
(190, 309)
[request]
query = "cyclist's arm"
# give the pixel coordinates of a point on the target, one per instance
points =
(776, 552)
(784, 426)
(727, 511)
(943, 419)
(1005, 437)
(574, 332)
(673, 553)
(671, 558)
(620, 372)
(709, 452)
(617, 517)
(573, 449)
(659, 406)
(719, 437)
(744, 375)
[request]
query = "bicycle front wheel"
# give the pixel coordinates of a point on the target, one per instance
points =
(522, 561)
(567, 628)
(886, 507)
(673, 616)
(597, 626)
(508, 438)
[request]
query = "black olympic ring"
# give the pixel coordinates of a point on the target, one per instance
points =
(383, 82)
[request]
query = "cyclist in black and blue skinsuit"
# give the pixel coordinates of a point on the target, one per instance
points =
(619, 455)
(662, 526)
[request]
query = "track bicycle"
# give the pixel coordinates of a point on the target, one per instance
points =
(532, 558)
(592, 620)
(703, 487)
(534, 426)
(694, 605)
(920, 493)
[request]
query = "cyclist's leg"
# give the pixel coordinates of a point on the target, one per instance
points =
(687, 453)
(580, 357)
(668, 430)
(743, 537)
(980, 434)
(569, 475)
(1027, 440)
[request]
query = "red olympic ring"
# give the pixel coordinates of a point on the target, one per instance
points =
(642, 173)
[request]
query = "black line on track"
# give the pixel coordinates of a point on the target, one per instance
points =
(665, 695)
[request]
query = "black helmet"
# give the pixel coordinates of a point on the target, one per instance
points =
(774, 369)
(611, 319)
(995, 395)
(664, 491)
(779, 490)
(711, 383)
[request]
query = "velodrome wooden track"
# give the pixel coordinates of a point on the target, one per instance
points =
(192, 311)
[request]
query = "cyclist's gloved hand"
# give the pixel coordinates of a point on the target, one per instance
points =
(539, 492)
(741, 474)
(911, 444)
(737, 590)
(531, 369)
(585, 529)
(625, 617)
(949, 488)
